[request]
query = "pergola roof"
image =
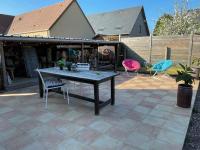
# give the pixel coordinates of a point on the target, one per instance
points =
(55, 40)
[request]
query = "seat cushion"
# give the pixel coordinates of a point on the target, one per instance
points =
(53, 83)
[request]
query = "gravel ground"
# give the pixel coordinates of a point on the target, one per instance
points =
(192, 140)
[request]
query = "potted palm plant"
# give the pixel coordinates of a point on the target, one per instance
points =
(61, 64)
(184, 95)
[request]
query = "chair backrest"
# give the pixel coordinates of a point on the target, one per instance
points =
(83, 66)
(167, 64)
(131, 64)
(41, 77)
(163, 65)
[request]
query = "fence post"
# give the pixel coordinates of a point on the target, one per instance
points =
(190, 49)
(150, 48)
(167, 53)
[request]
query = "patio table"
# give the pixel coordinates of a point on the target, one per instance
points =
(89, 77)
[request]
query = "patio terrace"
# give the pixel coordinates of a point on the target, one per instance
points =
(145, 117)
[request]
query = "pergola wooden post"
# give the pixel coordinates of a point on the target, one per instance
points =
(3, 67)
(82, 53)
(116, 57)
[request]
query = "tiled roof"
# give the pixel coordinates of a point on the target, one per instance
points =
(38, 20)
(116, 22)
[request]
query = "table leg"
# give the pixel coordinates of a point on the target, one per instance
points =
(96, 98)
(40, 87)
(112, 90)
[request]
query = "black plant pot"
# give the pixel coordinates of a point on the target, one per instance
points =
(184, 96)
(61, 68)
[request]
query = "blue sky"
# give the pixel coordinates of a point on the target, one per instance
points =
(153, 8)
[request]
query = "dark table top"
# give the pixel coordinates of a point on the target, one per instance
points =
(87, 75)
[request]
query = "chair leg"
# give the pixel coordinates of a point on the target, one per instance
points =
(67, 96)
(44, 93)
(64, 93)
(155, 74)
(127, 72)
(46, 97)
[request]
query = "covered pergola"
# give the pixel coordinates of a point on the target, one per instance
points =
(45, 43)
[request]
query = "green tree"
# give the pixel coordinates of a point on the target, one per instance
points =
(183, 21)
(161, 24)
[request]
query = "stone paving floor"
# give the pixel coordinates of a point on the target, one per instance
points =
(145, 117)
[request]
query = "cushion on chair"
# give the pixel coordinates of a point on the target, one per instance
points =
(131, 65)
(53, 83)
(162, 65)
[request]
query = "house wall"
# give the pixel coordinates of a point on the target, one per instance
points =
(33, 34)
(73, 24)
(139, 23)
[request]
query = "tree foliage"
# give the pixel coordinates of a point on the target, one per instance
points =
(183, 21)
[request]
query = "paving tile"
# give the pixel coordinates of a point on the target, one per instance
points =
(128, 147)
(2, 148)
(4, 124)
(10, 133)
(161, 107)
(118, 133)
(18, 119)
(100, 126)
(159, 113)
(158, 145)
(34, 146)
(106, 142)
(136, 116)
(145, 117)
(151, 120)
(72, 144)
(46, 117)
(72, 115)
(5, 110)
(148, 130)
(175, 127)
(70, 129)
(171, 137)
(142, 109)
(29, 124)
(150, 105)
(127, 124)
(137, 139)
(87, 135)
(18, 142)
(51, 139)
(56, 122)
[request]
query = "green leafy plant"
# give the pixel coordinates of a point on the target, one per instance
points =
(185, 75)
(196, 62)
(61, 63)
(148, 66)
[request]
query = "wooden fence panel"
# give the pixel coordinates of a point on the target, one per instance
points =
(182, 48)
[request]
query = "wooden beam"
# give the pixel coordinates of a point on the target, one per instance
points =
(97, 57)
(116, 57)
(82, 53)
(190, 49)
(3, 65)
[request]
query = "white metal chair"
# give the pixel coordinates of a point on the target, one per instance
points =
(50, 84)
(82, 67)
